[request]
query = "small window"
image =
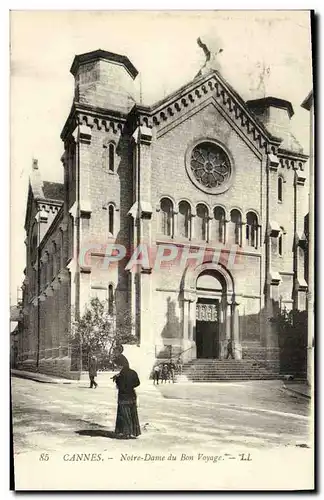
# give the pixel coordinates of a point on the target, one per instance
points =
(280, 182)
(184, 218)
(111, 157)
(111, 219)
(236, 222)
(219, 215)
(54, 249)
(252, 229)
(202, 222)
(166, 216)
(110, 299)
(280, 245)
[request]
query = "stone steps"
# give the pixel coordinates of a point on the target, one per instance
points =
(211, 370)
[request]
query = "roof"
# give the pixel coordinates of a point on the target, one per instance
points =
(53, 190)
(15, 313)
(271, 101)
(103, 54)
(308, 102)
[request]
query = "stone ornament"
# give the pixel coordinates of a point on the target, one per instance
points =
(206, 312)
(209, 167)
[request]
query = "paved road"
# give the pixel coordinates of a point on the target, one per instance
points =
(187, 419)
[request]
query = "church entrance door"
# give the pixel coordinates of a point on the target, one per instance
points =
(207, 328)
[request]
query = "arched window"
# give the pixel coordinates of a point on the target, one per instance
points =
(110, 299)
(280, 185)
(34, 243)
(252, 229)
(42, 271)
(166, 216)
(280, 245)
(111, 219)
(280, 242)
(202, 222)
(111, 157)
(219, 216)
(184, 217)
(50, 265)
(54, 250)
(236, 222)
(70, 231)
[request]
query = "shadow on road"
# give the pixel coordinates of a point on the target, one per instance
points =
(97, 433)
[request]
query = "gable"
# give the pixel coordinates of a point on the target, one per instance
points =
(194, 95)
(172, 155)
(211, 121)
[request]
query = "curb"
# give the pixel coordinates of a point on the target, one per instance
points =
(295, 391)
(42, 378)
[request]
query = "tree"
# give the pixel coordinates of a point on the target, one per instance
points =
(97, 333)
(292, 335)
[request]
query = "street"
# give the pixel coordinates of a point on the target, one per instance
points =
(242, 419)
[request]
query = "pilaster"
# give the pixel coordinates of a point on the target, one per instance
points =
(142, 297)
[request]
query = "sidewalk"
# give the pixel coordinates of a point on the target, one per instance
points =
(41, 377)
(103, 380)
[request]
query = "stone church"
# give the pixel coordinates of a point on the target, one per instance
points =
(188, 214)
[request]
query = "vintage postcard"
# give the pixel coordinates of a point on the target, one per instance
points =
(162, 261)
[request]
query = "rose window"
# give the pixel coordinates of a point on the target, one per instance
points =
(210, 165)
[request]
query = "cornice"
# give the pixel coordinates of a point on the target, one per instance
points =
(94, 117)
(188, 96)
(293, 161)
(103, 55)
(292, 155)
(48, 201)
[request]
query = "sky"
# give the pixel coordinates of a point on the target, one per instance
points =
(163, 47)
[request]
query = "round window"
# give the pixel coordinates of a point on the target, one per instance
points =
(209, 167)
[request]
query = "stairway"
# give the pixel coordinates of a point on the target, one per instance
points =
(212, 370)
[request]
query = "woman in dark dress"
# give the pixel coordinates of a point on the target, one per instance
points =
(127, 423)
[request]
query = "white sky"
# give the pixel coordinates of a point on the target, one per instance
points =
(162, 46)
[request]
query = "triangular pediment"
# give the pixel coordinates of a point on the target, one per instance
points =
(197, 93)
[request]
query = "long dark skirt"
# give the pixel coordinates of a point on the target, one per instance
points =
(127, 422)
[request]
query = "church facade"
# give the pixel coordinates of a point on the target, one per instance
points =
(188, 214)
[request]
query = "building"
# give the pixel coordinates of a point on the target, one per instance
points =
(189, 213)
(308, 104)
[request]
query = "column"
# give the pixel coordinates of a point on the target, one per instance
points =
(228, 320)
(236, 331)
(193, 224)
(209, 228)
(227, 326)
(185, 323)
(175, 231)
(243, 234)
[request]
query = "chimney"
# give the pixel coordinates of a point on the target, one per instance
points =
(105, 80)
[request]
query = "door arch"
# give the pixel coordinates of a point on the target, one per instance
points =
(209, 297)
